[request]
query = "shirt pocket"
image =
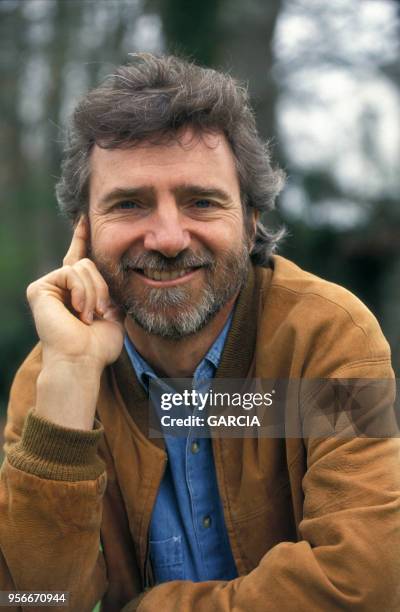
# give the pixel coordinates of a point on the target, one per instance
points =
(167, 559)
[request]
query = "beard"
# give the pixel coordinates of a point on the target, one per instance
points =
(175, 312)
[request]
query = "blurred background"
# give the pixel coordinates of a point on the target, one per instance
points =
(325, 82)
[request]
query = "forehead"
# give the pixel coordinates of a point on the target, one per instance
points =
(189, 158)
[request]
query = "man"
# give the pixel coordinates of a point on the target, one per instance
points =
(170, 274)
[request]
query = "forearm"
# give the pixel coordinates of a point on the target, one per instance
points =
(347, 559)
(52, 485)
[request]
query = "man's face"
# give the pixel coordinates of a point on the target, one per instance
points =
(167, 230)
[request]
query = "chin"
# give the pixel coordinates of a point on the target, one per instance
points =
(182, 323)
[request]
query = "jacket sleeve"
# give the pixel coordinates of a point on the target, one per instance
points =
(51, 490)
(347, 557)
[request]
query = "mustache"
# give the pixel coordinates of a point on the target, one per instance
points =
(154, 260)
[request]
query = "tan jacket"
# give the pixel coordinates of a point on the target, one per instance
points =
(314, 524)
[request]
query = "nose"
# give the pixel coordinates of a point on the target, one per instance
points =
(166, 233)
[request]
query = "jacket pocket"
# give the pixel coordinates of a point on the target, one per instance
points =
(167, 559)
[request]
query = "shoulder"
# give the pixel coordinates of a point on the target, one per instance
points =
(315, 292)
(322, 320)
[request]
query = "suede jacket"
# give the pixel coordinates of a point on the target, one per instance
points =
(313, 522)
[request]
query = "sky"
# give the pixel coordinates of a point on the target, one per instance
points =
(339, 109)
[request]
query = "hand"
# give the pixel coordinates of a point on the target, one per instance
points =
(80, 329)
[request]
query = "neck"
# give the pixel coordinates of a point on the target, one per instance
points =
(177, 358)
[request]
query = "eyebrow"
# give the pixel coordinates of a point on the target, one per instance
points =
(181, 191)
(203, 192)
(131, 193)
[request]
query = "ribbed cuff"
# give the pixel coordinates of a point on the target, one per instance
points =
(54, 452)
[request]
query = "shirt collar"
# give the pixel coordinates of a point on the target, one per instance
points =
(206, 368)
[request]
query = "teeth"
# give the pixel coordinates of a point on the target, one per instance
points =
(164, 276)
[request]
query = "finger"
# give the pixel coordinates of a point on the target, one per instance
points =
(90, 291)
(78, 246)
(77, 291)
(77, 282)
(65, 279)
(102, 296)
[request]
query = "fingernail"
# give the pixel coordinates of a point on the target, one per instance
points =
(102, 306)
(108, 314)
(89, 317)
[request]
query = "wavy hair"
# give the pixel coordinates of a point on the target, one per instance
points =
(152, 98)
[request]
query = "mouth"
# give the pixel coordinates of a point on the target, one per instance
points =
(165, 278)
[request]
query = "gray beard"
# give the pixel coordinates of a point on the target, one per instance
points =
(188, 318)
(223, 281)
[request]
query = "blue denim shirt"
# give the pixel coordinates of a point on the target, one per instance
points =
(188, 536)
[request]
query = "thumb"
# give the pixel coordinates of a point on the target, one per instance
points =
(78, 248)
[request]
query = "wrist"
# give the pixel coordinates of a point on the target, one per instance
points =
(74, 363)
(67, 393)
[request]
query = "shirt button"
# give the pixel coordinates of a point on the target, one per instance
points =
(207, 522)
(195, 447)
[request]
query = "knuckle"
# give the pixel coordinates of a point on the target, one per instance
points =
(31, 290)
(83, 265)
(101, 285)
(86, 262)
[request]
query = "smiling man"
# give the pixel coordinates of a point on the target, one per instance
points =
(171, 273)
(167, 228)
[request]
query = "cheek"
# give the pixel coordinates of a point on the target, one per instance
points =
(227, 235)
(110, 239)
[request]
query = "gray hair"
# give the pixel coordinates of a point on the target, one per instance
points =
(154, 97)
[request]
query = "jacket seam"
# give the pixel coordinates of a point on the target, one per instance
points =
(325, 299)
(359, 362)
(242, 518)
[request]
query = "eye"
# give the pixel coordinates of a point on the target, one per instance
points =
(203, 203)
(127, 205)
